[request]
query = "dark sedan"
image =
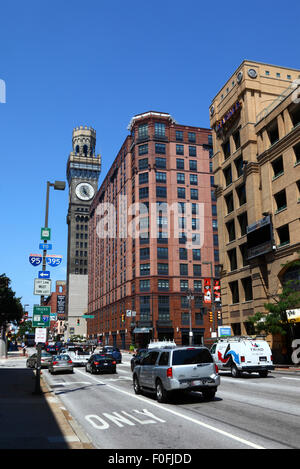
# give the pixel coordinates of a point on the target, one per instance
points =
(45, 360)
(136, 358)
(113, 351)
(101, 363)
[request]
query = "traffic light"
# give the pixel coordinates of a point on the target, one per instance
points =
(210, 316)
(219, 316)
(123, 317)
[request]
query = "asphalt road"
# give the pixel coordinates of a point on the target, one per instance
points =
(248, 412)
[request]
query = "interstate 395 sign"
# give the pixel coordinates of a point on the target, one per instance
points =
(53, 260)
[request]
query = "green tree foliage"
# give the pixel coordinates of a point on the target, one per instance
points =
(25, 327)
(276, 322)
(11, 309)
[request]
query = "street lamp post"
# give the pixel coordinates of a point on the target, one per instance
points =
(58, 185)
(190, 297)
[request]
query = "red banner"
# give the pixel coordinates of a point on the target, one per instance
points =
(207, 290)
(217, 291)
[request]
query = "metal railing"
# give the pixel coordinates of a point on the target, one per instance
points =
(267, 110)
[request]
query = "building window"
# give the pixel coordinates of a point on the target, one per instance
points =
(184, 302)
(195, 224)
(232, 259)
(183, 269)
(243, 222)
(215, 224)
(273, 133)
(192, 151)
(193, 165)
(181, 208)
(277, 166)
(161, 191)
(247, 286)
(144, 269)
(161, 177)
(143, 178)
(143, 131)
(180, 178)
(194, 194)
(179, 135)
(181, 192)
(199, 319)
(296, 149)
(280, 199)
(179, 150)
(234, 288)
(179, 163)
(160, 129)
(163, 308)
(143, 149)
(163, 284)
(184, 285)
(283, 235)
(194, 179)
(183, 254)
(185, 319)
(160, 162)
(144, 253)
(241, 193)
(163, 269)
(230, 230)
(160, 148)
(197, 270)
(196, 254)
(144, 285)
(192, 137)
(244, 254)
(198, 285)
(143, 163)
(195, 209)
(143, 192)
(295, 115)
(237, 139)
(228, 175)
(162, 253)
(226, 149)
(216, 255)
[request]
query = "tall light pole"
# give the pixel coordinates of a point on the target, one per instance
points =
(60, 186)
(190, 297)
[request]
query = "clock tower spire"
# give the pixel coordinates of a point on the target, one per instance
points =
(83, 170)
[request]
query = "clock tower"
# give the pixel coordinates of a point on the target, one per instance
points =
(83, 169)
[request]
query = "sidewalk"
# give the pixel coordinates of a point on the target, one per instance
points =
(29, 421)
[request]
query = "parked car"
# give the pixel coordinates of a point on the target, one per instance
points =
(136, 357)
(61, 363)
(79, 358)
(168, 369)
(100, 363)
(45, 360)
(243, 354)
(113, 351)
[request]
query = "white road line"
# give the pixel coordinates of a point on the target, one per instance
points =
(287, 377)
(178, 414)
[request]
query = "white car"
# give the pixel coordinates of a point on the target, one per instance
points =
(79, 358)
(243, 354)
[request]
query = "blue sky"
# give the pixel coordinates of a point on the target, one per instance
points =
(98, 63)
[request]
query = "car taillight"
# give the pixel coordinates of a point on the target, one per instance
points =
(271, 358)
(114, 363)
(54, 363)
(96, 363)
(70, 361)
(242, 359)
(216, 369)
(169, 373)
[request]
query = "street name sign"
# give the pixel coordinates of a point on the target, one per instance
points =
(46, 234)
(42, 286)
(53, 260)
(44, 274)
(35, 259)
(45, 246)
(41, 316)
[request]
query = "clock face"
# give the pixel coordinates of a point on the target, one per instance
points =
(84, 191)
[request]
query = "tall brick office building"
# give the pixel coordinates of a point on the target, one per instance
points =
(140, 273)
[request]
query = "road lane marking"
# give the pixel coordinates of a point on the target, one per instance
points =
(178, 414)
(287, 377)
(100, 424)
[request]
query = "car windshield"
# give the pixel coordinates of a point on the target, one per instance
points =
(61, 357)
(191, 356)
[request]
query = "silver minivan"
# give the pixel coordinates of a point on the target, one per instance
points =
(165, 370)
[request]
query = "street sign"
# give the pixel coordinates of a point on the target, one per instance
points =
(46, 234)
(53, 260)
(293, 315)
(41, 316)
(42, 286)
(45, 246)
(53, 317)
(40, 335)
(224, 331)
(128, 313)
(44, 274)
(35, 259)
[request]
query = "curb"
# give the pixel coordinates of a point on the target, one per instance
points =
(72, 433)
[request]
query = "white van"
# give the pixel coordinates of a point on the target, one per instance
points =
(239, 354)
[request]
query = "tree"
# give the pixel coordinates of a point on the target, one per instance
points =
(11, 309)
(25, 327)
(276, 322)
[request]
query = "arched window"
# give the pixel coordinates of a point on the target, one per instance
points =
(85, 150)
(291, 277)
(77, 149)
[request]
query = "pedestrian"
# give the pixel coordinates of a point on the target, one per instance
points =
(23, 348)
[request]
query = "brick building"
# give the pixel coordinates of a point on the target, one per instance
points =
(144, 259)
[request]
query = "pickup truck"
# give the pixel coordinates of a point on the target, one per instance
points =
(79, 358)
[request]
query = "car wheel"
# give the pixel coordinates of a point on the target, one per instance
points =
(209, 394)
(161, 393)
(235, 373)
(263, 373)
(136, 385)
